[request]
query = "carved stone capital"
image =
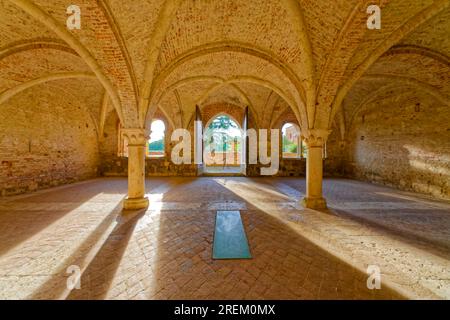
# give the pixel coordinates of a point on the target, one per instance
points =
(316, 137)
(136, 136)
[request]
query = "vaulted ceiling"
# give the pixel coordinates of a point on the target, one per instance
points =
(316, 57)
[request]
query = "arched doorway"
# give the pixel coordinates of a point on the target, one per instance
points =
(223, 145)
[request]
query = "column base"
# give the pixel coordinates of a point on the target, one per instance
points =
(136, 203)
(314, 203)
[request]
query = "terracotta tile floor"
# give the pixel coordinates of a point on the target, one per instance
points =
(165, 251)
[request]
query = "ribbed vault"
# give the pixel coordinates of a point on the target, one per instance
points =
(314, 57)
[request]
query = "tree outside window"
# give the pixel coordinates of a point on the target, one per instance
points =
(156, 144)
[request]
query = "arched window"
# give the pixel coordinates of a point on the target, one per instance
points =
(292, 141)
(156, 144)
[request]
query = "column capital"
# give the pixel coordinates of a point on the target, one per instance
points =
(136, 136)
(316, 137)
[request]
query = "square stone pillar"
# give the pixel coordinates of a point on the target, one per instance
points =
(137, 142)
(315, 140)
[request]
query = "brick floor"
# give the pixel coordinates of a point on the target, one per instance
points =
(165, 251)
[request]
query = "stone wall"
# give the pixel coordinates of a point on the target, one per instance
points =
(288, 168)
(118, 167)
(333, 165)
(211, 111)
(402, 141)
(45, 140)
(112, 164)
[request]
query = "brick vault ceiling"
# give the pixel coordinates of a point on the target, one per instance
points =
(314, 59)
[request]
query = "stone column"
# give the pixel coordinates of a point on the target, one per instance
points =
(315, 140)
(137, 142)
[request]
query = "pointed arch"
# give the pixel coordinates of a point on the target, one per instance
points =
(255, 80)
(43, 17)
(295, 13)
(433, 91)
(412, 24)
(5, 95)
(422, 51)
(165, 18)
(34, 44)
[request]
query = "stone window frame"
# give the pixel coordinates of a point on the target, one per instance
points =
(300, 143)
(122, 141)
(164, 156)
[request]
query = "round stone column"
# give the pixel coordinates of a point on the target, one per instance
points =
(137, 142)
(315, 140)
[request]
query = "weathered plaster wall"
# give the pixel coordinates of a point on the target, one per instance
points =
(403, 141)
(46, 139)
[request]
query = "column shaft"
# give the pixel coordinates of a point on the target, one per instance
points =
(314, 170)
(136, 170)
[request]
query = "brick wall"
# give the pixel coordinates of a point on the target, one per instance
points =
(333, 165)
(45, 140)
(211, 111)
(113, 165)
(403, 141)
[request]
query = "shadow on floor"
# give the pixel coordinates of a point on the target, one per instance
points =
(431, 229)
(98, 276)
(166, 251)
(15, 226)
(168, 256)
(56, 287)
(421, 226)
